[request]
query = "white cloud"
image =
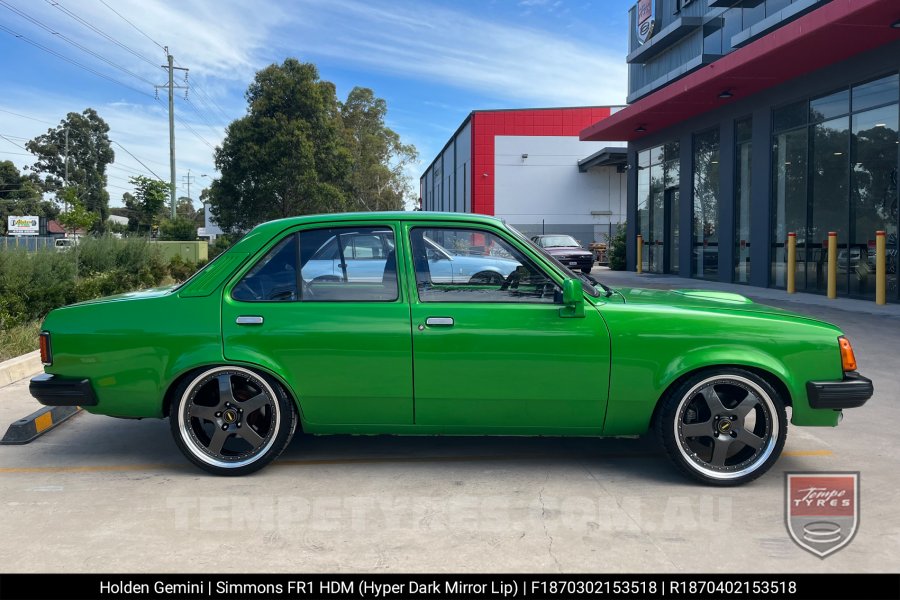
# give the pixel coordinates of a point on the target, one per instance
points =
(423, 41)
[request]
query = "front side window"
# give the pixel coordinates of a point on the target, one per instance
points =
(472, 265)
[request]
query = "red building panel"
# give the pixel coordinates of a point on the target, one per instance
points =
(486, 125)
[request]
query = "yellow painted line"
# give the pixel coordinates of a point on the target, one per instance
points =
(363, 460)
(43, 422)
(807, 453)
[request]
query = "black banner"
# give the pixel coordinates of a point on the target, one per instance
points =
(454, 587)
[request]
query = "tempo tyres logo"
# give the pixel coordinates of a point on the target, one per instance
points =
(821, 510)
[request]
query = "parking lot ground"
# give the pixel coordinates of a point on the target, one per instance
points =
(108, 495)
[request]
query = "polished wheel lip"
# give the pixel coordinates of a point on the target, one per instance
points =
(690, 457)
(193, 445)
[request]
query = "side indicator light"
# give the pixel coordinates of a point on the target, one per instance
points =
(44, 341)
(848, 359)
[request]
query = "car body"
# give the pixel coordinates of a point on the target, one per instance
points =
(63, 244)
(251, 348)
(566, 250)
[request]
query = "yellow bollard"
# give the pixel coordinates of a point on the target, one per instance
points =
(832, 264)
(792, 263)
(640, 253)
(880, 270)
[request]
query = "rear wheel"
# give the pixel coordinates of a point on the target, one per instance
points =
(231, 420)
(486, 278)
(723, 426)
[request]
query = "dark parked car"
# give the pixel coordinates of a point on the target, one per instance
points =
(566, 250)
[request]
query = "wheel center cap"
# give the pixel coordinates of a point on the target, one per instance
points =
(229, 416)
(724, 426)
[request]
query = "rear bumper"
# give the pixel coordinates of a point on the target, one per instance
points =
(852, 392)
(52, 390)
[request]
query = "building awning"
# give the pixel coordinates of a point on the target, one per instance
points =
(607, 157)
(835, 32)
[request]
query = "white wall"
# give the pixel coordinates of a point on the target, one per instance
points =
(547, 187)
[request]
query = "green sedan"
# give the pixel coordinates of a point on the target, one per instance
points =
(268, 339)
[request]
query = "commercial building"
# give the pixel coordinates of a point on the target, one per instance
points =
(752, 119)
(530, 167)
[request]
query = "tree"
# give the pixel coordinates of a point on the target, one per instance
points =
(20, 195)
(179, 228)
(89, 154)
(287, 156)
(147, 202)
(76, 216)
(377, 180)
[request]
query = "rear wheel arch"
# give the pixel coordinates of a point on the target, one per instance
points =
(194, 371)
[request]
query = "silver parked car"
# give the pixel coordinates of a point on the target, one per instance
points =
(365, 256)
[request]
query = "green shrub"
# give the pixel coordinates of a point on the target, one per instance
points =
(615, 254)
(222, 243)
(181, 269)
(19, 340)
(34, 283)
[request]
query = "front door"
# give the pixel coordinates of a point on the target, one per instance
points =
(493, 351)
(340, 336)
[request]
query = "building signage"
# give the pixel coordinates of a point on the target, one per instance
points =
(23, 226)
(645, 19)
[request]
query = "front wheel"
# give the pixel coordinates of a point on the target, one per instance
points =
(230, 420)
(723, 426)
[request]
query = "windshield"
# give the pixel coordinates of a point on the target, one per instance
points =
(587, 282)
(564, 241)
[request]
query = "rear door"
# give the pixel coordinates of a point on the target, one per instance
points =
(342, 341)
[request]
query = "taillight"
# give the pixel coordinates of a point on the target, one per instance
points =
(848, 359)
(46, 355)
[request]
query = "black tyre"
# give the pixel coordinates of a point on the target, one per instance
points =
(231, 420)
(586, 270)
(723, 426)
(487, 278)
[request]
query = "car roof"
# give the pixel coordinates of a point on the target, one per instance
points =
(264, 232)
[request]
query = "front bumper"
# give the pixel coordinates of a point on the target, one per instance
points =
(53, 390)
(853, 391)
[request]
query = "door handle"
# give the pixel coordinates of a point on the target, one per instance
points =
(249, 320)
(439, 321)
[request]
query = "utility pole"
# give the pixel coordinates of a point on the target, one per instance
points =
(187, 181)
(65, 200)
(172, 87)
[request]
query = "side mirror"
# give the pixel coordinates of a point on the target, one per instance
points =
(573, 300)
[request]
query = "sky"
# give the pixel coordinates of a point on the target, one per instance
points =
(433, 62)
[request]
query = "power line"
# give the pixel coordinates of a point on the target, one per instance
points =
(69, 60)
(91, 26)
(127, 151)
(206, 121)
(27, 117)
(139, 30)
(73, 42)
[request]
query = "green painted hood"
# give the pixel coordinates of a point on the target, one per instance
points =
(706, 300)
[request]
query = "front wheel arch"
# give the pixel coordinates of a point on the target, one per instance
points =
(774, 380)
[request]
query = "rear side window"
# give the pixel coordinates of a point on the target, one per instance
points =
(273, 278)
(348, 264)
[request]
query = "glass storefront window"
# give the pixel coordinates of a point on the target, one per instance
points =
(743, 155)
(873, 198)
(832, 105)
(829, 206)
(658, 169)
(789, 203)
(790, 116)
(876, 93)
(643, 205)
(705, 250)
